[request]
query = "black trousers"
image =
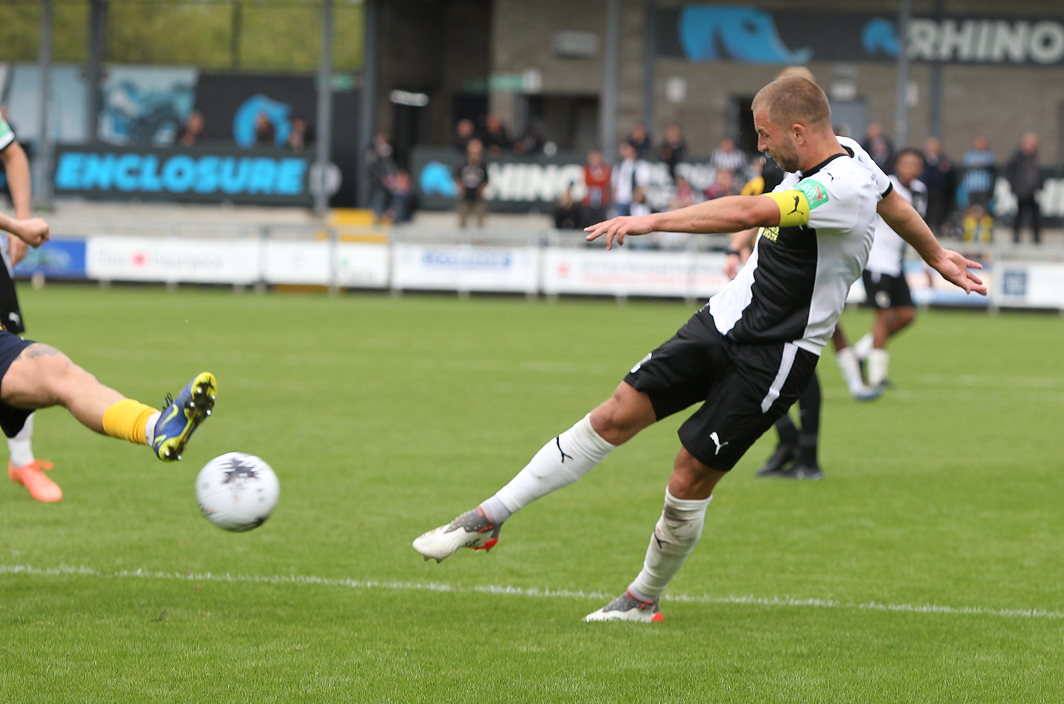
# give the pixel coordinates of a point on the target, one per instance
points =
(1028, 205)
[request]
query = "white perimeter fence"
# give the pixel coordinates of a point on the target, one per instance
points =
(545, 263)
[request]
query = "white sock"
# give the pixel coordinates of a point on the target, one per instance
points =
(21, 446)
(863, 346)
(675, 536)
(559, 463)
(878, 361)
(851, 369)
(149, 430)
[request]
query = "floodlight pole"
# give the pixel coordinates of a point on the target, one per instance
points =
(935, 99)
(44, 65)
(901, 119)
(367, 95)
(649, 63)
(321, 197)
(610, 79)
(94, 65)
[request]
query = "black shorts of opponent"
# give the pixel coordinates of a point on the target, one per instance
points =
(11, 419)
(743, 389)
(886, 291)
(10, 314)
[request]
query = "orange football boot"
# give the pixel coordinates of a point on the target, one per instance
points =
(32, 477)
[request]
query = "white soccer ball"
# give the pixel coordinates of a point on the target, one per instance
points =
(237, 491)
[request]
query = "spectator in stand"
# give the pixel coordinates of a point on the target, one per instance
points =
(401, 208)
(640, 206)
(879, 147)
(463, 133)
(685, 194)
(755, 185)
(189, 133)
(1025, 177)
(529, 144)
(630, 173)
(495, 138)
(566, 212)
(723, 186)
(301, 134)
(978, 185)
(640, 141)
(382, 172)
(673, 150)
(265, 132)
(471, 179)
(597, 181)
(727, 158)
(938, 177)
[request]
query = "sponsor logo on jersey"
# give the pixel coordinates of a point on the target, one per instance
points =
(769, 233)
(814, 192)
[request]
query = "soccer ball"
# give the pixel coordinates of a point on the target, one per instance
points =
(237, 491)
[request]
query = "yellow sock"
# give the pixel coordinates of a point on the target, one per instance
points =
(127, 419)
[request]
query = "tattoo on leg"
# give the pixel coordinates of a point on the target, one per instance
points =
(39, 349)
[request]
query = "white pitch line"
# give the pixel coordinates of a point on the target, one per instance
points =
(772, 601)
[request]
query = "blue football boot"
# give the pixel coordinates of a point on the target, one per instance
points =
(182, 415)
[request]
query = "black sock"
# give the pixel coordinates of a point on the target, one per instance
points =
(807, 450)
(787, 431)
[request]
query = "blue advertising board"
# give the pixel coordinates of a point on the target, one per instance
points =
(57, 258)
(201, 174)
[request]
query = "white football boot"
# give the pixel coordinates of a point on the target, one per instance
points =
(628, 608)
(470, 530)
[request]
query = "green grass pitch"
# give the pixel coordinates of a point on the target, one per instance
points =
(386, 417)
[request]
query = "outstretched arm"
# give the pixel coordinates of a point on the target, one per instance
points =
(729, 214)
(17, 168)
(953, 266)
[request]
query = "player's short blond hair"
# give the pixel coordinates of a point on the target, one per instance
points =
(797, 71)
(794, 99)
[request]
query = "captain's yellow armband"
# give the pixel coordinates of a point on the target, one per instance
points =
(794, 207)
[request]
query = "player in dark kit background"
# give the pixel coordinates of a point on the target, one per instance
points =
(23, 468)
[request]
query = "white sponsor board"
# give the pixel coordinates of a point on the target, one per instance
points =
(465, 268)
(361, 265)
(624, 272)
(1034, 285)
(296, 262)
(115, 258)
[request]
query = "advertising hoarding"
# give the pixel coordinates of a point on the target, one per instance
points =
(465, 268)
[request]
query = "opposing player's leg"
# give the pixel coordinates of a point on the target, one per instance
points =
(25, 469)
(22, 467)
(41, 376)
(562, 461)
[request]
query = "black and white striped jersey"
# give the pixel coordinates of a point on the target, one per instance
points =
(793, 287)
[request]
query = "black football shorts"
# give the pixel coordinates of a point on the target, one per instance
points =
(10, 314)
(743, 388)
(11, 419)
(886, 291)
